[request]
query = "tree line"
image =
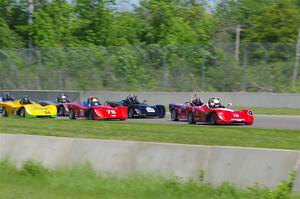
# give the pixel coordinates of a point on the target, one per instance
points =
(59, 24)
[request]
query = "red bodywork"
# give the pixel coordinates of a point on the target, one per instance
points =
(204, 114)
(101, 112)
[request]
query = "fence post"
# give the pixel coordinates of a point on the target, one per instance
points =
(297, 60)
(165, 67)
(266, 67)
(12, 66)
(245, 68)
(203, 78)
(237, 44)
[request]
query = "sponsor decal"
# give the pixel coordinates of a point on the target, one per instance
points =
(39, 109)
(237, 120)
(150, 110)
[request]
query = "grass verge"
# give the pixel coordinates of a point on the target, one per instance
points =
(33, 181)
(272, 111)
(167, 133)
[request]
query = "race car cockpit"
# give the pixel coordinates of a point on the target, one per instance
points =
(131, 99)
(93, 101)
(6, 97)
(196, 101)
(25, 100)
(62, 98)
(215, 103)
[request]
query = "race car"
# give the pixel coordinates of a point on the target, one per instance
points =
(61, 104)
(93, 110)
(137, 109)
(26, 108)
(212, 112)
(6, 97)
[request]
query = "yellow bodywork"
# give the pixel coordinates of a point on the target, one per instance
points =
(31, 110)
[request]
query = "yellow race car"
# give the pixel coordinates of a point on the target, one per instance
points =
(26, 108)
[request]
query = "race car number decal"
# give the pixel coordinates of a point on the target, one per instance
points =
(111, 112)
(150, 110)
(236, 115)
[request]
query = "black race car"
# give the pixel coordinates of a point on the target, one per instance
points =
(137, 109)
(61, 104)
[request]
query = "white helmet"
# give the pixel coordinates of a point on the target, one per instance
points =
(214, 103)
(95, 102)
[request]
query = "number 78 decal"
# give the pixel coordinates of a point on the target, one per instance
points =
(111, 112)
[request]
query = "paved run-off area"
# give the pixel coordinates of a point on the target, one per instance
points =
(261, 121)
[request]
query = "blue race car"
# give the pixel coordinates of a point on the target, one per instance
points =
(137, 109)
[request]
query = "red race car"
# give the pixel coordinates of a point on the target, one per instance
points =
(213, 112)
(93, 110)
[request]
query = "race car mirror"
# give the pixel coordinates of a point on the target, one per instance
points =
(229, 105)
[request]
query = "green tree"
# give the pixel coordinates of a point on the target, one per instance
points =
(170, 23)
(278, 22)
(97, 17)
(124, 30)
(55, 25)
(9, 38)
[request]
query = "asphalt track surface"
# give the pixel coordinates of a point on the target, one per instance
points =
(261, 121)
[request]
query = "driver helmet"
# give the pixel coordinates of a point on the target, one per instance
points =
(197, 101)
(62, 98)
(131, 98)
(7, 97)
(25, 100)
(135, 100)
(93, 101)
(214, 103)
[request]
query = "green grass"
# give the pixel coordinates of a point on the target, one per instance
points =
(33, 181)
(272, 111)
(167, 133)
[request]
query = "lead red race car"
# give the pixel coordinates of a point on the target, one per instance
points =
(212, 112)
(93, 110)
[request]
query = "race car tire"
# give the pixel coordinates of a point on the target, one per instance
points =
(191, 118)
(61, 111)
(161, 111)
(90, 115)
(4, 112)
(22, 112)
(174, 115)
(72, 115)
(213, 118)
(130, 113)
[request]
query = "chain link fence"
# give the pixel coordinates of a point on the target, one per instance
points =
(260, 67)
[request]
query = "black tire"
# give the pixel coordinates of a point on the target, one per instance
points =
(22, 112)
(161, 110)
(213, 118)
(90, 115)
(4, 112)
(72, 115)
(174, 115)
(61, 111)
(191, 119)
(130, 113)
